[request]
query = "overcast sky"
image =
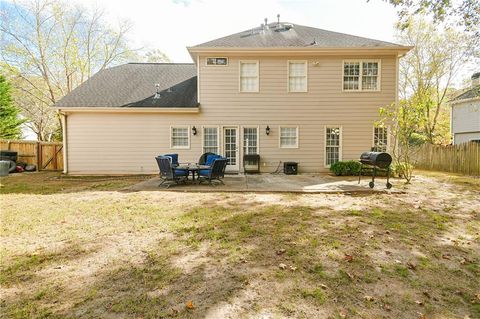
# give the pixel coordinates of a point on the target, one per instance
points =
(171, 25)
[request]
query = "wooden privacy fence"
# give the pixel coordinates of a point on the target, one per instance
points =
(462, 158)
(47, 156)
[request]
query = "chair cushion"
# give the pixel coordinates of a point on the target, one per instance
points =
(173, 157)
(204, 172)
(181, 172)
(211, 158)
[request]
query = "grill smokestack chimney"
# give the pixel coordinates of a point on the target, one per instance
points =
(266, 24)
(278, 20)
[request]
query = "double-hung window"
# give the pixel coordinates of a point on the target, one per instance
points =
(297, 76)
(249, 81)
(180, 137)
(250, 140)
(361, 75)
(210, 140)
(380, 138)
(289, 137)
(333, 145)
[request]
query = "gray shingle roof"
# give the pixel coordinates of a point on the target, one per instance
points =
(469, 94)
(297, 36)
(133, 85)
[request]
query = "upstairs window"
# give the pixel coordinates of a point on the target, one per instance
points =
(380, 139)
(297, 76)
(217, 61)
(179, 137)
(249, 76)
(361, 75)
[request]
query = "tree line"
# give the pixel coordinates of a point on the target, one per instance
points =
(48, 48)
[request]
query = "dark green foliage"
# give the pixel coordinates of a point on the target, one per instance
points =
(345, 168)
(9, 120)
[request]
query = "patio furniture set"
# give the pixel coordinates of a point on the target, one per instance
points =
(210, 168)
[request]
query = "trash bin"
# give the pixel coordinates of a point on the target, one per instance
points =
(4, 168)
(290, 168)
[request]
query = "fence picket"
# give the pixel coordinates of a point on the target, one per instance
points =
(45, 155)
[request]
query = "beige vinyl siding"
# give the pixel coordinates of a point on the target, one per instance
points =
(126, 143)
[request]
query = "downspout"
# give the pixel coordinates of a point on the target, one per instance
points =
(63, 117)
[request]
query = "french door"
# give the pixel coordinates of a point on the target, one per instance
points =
(230, 148)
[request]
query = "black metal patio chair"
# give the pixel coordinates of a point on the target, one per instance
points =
(169, 174)
(215, 172)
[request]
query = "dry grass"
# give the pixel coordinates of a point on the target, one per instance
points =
(79, 252)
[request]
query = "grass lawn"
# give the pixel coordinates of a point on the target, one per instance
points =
(84, 247)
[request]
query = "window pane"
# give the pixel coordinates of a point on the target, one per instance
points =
(380, 139)
(248, 77)
(332, 147)
(179, 137)
(297, 81)
(351, 75)
(210, 140)
(288, 137)
(369, 75)
(250, 142)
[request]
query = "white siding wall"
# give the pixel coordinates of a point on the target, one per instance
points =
(465, 119)
(126, 143)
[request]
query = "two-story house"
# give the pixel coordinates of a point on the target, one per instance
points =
(284, 91)
(465, 114)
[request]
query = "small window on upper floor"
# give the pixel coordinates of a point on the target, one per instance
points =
(297, 76)
(249, 76)
(217, 61)
(361, 75)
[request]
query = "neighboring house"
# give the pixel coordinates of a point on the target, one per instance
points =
(465, 114)
(285, 91)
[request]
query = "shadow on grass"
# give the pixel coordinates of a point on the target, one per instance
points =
(291, 262)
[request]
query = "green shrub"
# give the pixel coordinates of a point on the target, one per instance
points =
(345, 168)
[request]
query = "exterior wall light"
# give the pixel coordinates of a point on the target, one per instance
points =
(194, 130)
(267, 130)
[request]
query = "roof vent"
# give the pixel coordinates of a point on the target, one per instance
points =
(278, 20)
(288, 26)
(266, 24)
(476, 79)
(157, 91)
(314, 42)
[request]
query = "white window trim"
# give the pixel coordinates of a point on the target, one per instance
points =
(218, 137)
(388, 135)
(180, 147)
(216, 57)
(243, 141)
(361, 61)
(340, 146)
(306, 75)
(280, 136)
(240, 75)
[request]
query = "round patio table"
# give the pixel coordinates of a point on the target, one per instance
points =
(194, 168)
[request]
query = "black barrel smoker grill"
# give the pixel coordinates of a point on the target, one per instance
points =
(373, 161)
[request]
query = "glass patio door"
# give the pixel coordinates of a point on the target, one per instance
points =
(230, 148)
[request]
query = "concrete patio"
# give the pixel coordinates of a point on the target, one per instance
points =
(304, 183)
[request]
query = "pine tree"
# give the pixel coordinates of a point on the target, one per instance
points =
(10, 122)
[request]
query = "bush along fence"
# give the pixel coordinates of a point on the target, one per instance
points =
(462, 158)
(47, 156)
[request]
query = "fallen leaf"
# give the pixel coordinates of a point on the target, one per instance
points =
(348, 258)
(411, 266)
(282, 266)
(189, 305)
(281, 251)
(342, 313)
(387, 307)
(418, 302)
(426, 294)
(446, 256)
(422, 316)
(293, 268)
(368, 298)
(324, 286)
(388, 252)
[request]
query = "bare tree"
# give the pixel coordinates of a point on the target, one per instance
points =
(49, 47)
(428, 70)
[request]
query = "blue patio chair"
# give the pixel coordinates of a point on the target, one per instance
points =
(203, 159)
(215, 172)
(168, 173)
(211, 158)
(174, 158)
